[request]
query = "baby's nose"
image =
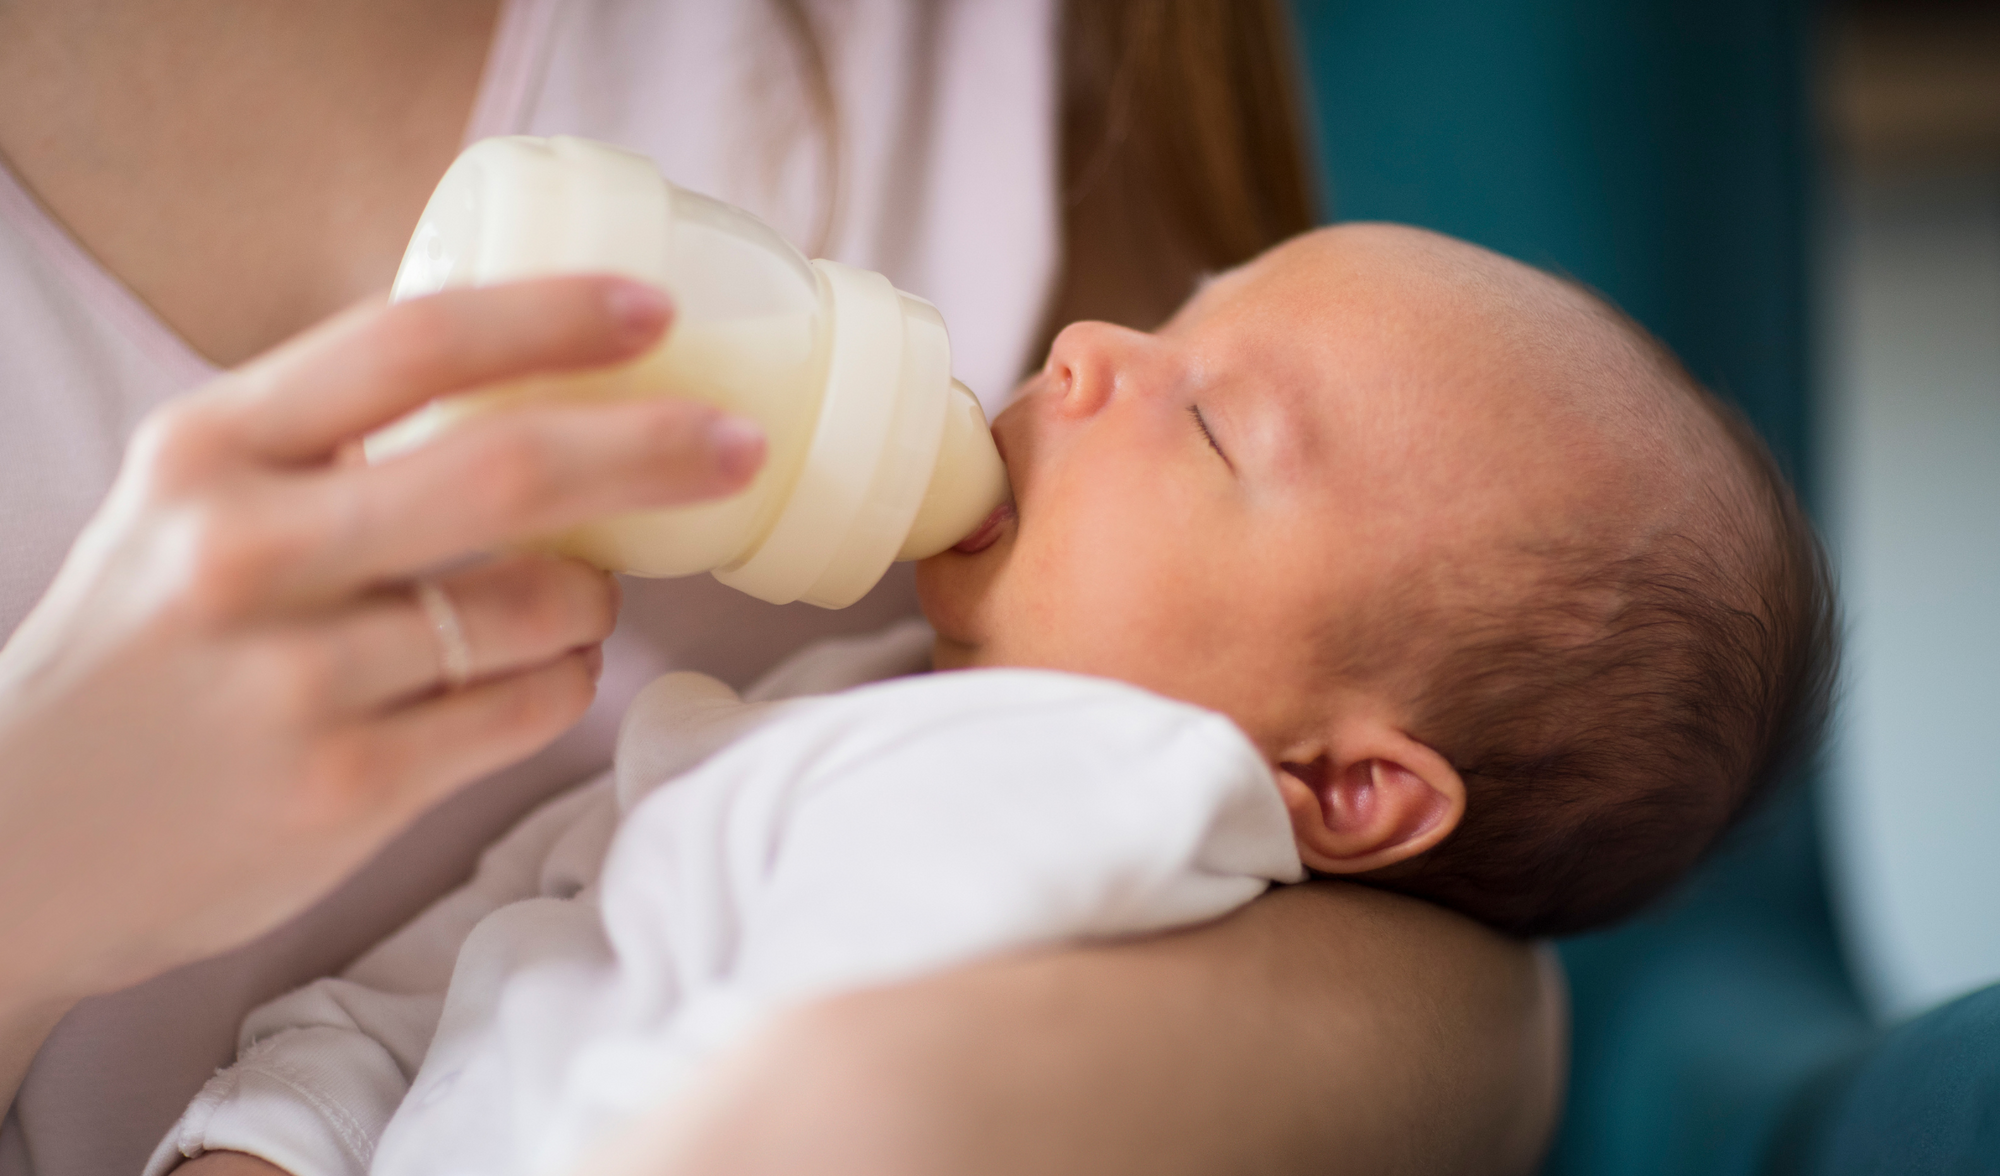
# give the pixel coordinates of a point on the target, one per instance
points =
(1085, 362)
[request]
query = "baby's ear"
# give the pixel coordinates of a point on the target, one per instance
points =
(1373, 798)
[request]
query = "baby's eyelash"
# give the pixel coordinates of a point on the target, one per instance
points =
(1194, 410)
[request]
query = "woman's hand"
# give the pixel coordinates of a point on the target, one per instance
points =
(1324, 1028)
(233, 693)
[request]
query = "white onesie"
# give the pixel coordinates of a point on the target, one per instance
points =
(748, 855)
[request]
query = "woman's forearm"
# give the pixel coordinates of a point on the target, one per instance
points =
(1324, 1029)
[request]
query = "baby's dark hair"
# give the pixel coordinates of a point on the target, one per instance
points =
(1614, 720)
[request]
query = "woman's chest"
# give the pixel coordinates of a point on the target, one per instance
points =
(244, 170)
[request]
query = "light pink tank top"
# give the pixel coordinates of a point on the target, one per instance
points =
(947, 183)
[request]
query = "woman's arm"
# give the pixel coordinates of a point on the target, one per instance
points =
(1326, 1028)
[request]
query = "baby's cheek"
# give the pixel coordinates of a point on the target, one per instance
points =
(1137, 624)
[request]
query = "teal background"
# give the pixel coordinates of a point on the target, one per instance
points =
(1658, 151)
(1663, 153)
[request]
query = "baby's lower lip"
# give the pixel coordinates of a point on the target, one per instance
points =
(984, 534)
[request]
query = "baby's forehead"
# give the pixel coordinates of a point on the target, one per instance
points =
(1406, 324)
(1447, 315)
(1481, 374)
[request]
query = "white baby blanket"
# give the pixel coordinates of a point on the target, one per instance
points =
(799, 848)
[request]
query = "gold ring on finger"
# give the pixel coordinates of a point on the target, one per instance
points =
(454, 653)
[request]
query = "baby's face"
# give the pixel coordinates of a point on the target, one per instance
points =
(1199, 510)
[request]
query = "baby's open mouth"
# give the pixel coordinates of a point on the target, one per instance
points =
(984, 534)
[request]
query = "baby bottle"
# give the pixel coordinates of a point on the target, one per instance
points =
(874, 453)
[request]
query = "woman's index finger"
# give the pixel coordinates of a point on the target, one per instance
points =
(370, 365)
(505, 477)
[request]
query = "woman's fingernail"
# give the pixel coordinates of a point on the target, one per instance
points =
(639, 308)
(737, 446)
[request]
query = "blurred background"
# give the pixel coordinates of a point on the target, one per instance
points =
(1803, 200)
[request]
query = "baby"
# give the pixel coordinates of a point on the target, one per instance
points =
(1386, 558)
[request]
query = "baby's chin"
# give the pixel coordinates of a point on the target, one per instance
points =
(947, 654)
(953, 588)
(948, 591)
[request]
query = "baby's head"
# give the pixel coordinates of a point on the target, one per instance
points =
(1522, 615)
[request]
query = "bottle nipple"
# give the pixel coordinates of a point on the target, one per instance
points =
(966, 484)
